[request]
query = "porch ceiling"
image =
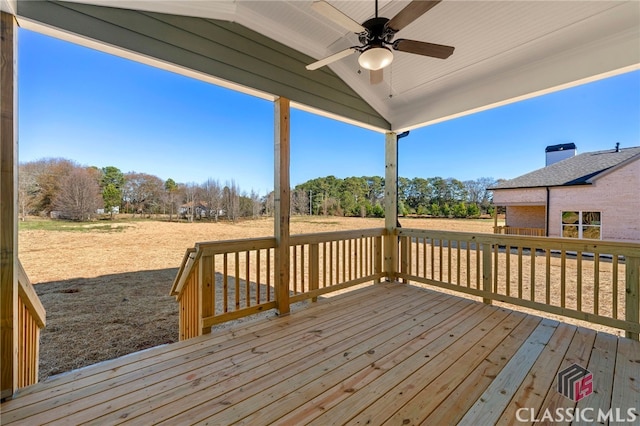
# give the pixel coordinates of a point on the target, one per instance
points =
(505, 50)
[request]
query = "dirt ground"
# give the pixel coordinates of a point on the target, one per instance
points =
(107, 293)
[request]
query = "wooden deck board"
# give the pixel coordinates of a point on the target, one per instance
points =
(601, 364)
(415, 398)
(488, 408)
(212, 399)
(225, 357)
(626, 379)
(579, 352)
(356, 365)
(389, 353)
(446, 399)
(533, 388)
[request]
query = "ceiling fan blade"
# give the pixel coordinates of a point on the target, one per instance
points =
(376, 76)
(423, 48)
(330, 59)
(324, 8)
(410, 13)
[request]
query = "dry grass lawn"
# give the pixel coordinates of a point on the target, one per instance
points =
(106, 290)
(106, 286)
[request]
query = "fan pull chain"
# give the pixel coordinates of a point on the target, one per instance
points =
(391, 81)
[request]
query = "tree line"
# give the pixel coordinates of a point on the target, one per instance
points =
(364, 197)
(62, 188)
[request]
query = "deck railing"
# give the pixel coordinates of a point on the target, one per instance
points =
(514, 230)
(326, 262)
(226, 280)
(595, 281)
(223, 280)
(31, 318)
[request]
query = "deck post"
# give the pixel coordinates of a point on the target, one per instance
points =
(377, 263)
(205, 283)
(487, 275)
(391, 205)
(8, 208)
(632, 293)
(282, 203)
(405, 261)
(314, 269)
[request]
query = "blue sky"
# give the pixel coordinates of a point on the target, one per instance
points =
(102, 110)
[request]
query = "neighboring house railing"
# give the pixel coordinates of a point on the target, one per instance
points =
(226, 280)
(31, 318)
(592, 281)
(596, 282)
(514, 230)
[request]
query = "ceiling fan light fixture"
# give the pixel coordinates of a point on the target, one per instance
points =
(375, 58)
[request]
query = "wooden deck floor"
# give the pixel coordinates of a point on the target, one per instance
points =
(386, 354)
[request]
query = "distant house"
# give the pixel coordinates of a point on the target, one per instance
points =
(595, 195)
(198, 208)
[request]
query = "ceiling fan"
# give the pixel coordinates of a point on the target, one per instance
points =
(376, 34)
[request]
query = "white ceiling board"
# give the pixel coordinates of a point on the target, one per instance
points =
(8, 6)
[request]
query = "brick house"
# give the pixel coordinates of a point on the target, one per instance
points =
(594, 195)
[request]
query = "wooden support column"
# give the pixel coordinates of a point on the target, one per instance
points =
(391, 205)
(8, 207)
(282, 203)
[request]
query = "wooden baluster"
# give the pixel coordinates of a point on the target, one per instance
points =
(632, 293)
(207, 290)
(486, 271)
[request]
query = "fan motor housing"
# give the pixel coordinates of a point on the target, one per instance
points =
(377, 32)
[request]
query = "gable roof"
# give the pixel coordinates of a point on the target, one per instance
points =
(579, 170)
(505, 51)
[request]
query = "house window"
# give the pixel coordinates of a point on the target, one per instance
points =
(581, 225)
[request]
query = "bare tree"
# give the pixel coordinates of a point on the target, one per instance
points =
(41, 180)
(231, 200)
(27, 189)
(478, 192)
(257, 205)
(269, 203)
(79, 196)
(143, 192)
(299, 201)
(190, 193)
(212, 195)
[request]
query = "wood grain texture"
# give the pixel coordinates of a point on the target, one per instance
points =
(389, 351)
(8, 208)
(282, 202)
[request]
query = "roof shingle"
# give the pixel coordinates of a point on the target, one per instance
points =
(572, 171)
